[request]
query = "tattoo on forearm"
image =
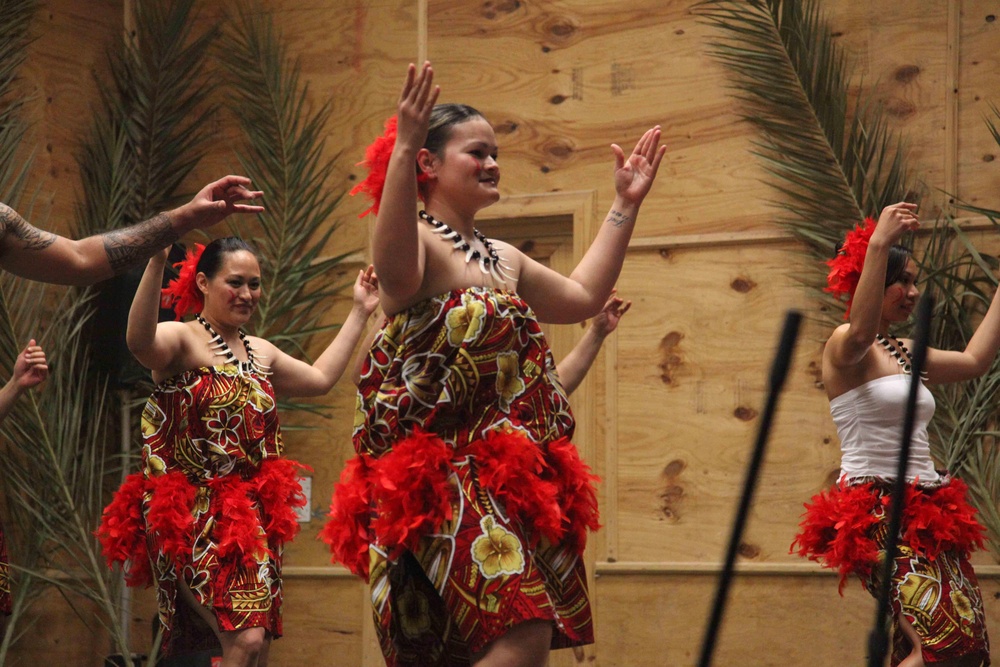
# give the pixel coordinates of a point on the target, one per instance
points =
(13, 226)
(134, 244)
(617, 218)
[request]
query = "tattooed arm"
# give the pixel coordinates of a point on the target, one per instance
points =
(40, 255)
(561, 300)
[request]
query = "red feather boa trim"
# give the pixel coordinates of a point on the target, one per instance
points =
(577, 496)
(513, 469)
(169, 518)
(836, 529)
(410, 491)
(348, 530)
(238, 533)
(377, 161)
(278, 488)
(122, 532)
(182, 293)
(405, 494)
(845, 268)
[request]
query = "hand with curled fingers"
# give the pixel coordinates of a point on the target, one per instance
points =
(31, 368)
(634, 176)
(219, 199)
(894, 221)
(366, 297)
(413, 112)
(607, 320)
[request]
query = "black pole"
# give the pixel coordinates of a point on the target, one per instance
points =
(878, 640)
(779, 371)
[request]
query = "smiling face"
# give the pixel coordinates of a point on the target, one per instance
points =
(465, 170)
(901, 296)
(231, 295)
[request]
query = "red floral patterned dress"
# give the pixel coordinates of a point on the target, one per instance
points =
(214, 502)
(467, 506)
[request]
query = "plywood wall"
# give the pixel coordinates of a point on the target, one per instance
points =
(673, 405)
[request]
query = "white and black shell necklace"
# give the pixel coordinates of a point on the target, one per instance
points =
(490, 264)
(899, 352)
(220, 348)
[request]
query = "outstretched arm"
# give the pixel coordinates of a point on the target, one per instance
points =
(30, 370)
(39, 255)
(558, 299)
(292, 377)
(954, 366)
(575, 365)
(396, 249)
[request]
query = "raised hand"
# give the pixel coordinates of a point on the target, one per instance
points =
(894, 221)
(607, 320)
(416, 101)
(366, 291)
(634, 176)
(30, 369)
(219, 199)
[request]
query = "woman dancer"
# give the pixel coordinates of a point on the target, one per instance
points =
(467, 506)
(30, 370)
(207, 517)
(575, 365)
(937, 608)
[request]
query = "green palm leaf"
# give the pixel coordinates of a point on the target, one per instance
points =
(284, 155)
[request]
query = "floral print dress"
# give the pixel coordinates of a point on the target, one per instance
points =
(213, 504)
(467, 506)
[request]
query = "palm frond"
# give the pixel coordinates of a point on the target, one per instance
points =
(284, 155)
(830, 164)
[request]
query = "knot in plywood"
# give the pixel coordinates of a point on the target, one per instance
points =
(672, 493)
(670, 356)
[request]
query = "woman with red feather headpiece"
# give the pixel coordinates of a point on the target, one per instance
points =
(937, 607)
(206, 518)
(467, 506)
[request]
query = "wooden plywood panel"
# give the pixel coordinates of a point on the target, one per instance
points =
(554, 80)
(978, 88)
(692, 361)
(770, 621)
(322, 623)
(58, 82)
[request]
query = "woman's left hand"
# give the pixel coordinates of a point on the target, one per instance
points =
(366, 290)
(30, 369)
(634, 177)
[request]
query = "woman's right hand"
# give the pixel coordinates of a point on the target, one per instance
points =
(894, 221)
(415, 104)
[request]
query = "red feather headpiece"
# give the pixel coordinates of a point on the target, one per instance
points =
(377, 161)
(845, 268)
(182, 293)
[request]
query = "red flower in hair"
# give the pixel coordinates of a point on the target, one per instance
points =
(182, 293)
(845, 268)
(377, 161)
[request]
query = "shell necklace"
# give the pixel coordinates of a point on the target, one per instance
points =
(490, 264)
(220, 348)
(899, 353)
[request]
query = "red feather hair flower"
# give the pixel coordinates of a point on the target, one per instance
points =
(182, 293)
(845, 268)
(377, 161)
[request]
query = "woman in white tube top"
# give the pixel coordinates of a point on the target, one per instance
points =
(937, 608)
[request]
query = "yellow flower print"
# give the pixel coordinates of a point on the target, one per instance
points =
(497, 551)
(466, 321)
(414, 613)
(510, 384)
(962, 605)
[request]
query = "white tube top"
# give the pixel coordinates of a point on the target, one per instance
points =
(869, 422)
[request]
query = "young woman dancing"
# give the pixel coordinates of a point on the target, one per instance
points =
(206, 518)
(467, 506)
(937, 608)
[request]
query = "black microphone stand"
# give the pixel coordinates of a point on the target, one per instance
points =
(878, 640)
(779, 371)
